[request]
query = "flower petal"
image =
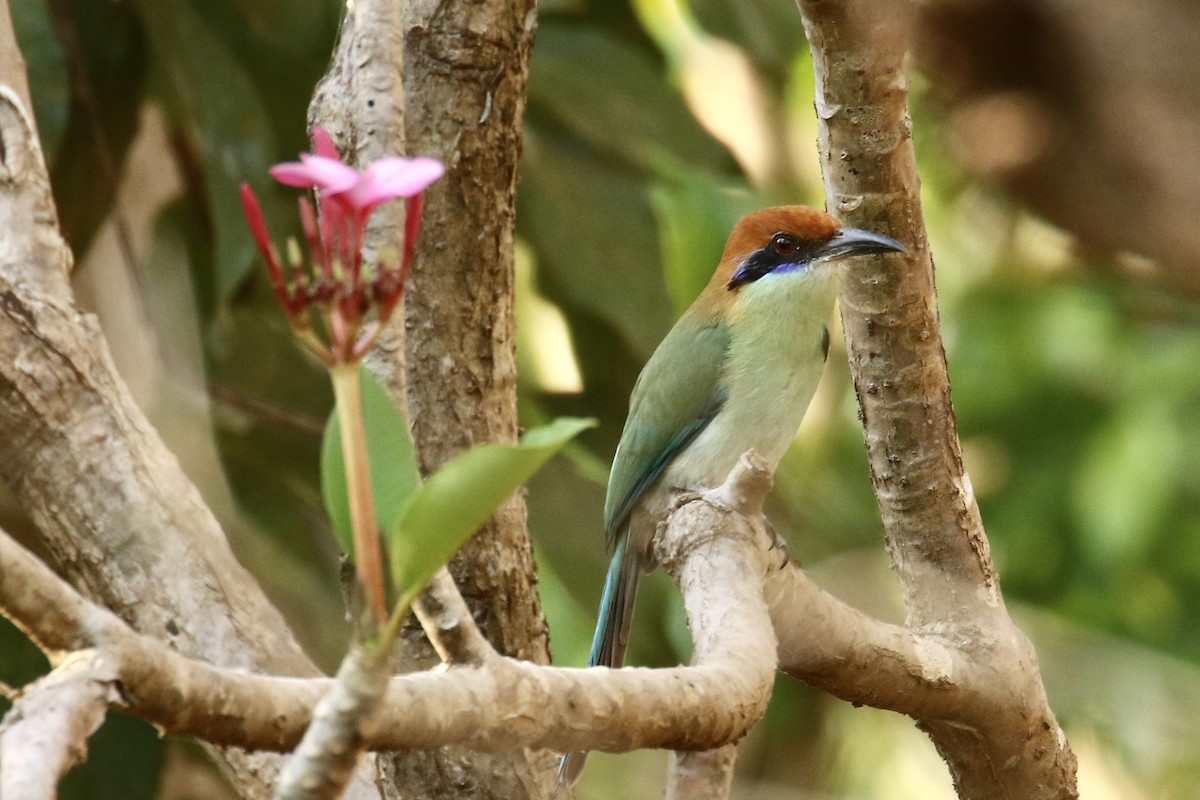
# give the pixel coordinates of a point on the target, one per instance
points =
(323, 144)
(317, 172)
(256, 221)
(262, 240)
(393, 177)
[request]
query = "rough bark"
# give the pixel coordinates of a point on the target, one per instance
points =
(46, 731)
(707, 774)
(466, 68)
(1011, 748)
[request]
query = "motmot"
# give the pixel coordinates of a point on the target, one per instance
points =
(736, 372)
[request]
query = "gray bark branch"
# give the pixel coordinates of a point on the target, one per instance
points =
(45, 733)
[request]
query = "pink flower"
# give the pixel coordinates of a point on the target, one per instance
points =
(354, 307)
(382, 180)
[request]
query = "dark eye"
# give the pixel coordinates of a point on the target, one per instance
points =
(784, 245)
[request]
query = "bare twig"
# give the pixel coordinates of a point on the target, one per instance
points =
(456, 637)
(325, 759)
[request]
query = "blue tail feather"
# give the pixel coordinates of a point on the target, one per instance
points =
(616, 608)
(611, 638)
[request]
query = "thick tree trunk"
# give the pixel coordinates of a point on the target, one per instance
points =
(464, 75)
(466, 69)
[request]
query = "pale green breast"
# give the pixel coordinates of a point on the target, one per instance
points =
(775, 361)
(711, 392)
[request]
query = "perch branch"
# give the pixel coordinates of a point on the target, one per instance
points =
(735, 506)
(715, 548)
(716, 555)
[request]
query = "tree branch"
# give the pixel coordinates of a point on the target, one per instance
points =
(324, 760)
(858, 658)
(717, 556)
(732, 516)
(1002, 740)
(45, 733)
(707, 774)
(442, 611)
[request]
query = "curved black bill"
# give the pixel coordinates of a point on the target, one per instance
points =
(857, 242)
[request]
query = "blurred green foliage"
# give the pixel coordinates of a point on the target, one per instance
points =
(1074, 377)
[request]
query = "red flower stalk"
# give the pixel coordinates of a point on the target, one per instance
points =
(354, 302)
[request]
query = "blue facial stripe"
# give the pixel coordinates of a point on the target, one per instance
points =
(767, 259)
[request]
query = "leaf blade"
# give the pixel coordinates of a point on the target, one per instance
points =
(442, 513)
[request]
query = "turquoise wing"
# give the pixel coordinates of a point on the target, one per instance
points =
(676, 396)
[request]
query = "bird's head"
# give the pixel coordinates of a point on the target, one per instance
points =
(791, 239)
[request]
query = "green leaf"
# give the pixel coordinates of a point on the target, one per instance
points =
(451, 505)
(390, 452)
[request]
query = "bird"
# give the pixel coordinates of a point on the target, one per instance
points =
(736, 372)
